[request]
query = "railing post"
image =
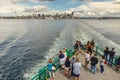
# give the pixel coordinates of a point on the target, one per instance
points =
(67, 51)
(39, 76)
(97, 47)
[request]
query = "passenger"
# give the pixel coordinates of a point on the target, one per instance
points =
(51, 72)
(118, 64)
(87, 59)
(72, 62)
(76, 45)
(76, 53)
(88, 42)
(82, 46)
(106, 53)
(79, 46)
(77, 69)
(67, 67)
(92, 44)
(89, 47)
(111, 57)
(102, 64)
(65, 53)
(94, 61)
(62, 59)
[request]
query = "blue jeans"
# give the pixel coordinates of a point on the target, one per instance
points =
(106, 57)
(111, 60)
(101, 68)
(93, 69)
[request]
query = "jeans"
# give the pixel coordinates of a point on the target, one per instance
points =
(111, 60)
(93, 69)
(106, 57)
(72, 71)
(101, 68)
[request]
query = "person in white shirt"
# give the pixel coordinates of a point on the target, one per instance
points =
(62, 59)
(102, 64)
(77, 69)
(87, 59)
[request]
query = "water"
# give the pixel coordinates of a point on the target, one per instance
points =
(26, 44)
(104, 32)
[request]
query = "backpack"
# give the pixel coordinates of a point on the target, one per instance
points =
(61, 56)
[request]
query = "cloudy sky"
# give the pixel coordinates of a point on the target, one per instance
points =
(81, 7)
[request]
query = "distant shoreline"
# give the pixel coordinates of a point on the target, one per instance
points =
(32, 17)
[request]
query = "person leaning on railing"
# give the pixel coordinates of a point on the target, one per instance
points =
(106, 53)
(50, 66)
(76, 46)
(111, 57)
(92, 43)
(62, 59)
(88, 42)
(89, 48)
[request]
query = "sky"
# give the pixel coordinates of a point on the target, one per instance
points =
(80, 7)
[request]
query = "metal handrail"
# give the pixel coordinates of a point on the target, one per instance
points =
(100, 51)
(43, 72)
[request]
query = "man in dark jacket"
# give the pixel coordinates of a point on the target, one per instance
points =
(94, 61)
(111, 56)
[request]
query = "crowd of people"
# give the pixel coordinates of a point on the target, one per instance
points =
(72, 66)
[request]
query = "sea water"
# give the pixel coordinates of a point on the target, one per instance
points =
(27, 44)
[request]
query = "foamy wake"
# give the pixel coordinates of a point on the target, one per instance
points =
(65, 40)
(84, 33)
(68, 36)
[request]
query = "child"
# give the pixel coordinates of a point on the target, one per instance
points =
(87, 59)
(102, 64)
(51, 72)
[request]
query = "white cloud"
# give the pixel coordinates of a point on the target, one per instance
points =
(98, 9)
(76, 1)
(40, 1)
(36, 9)
(8, 7)
(117, 2)
(13, 7)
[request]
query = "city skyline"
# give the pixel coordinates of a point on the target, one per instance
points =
(82, 7)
